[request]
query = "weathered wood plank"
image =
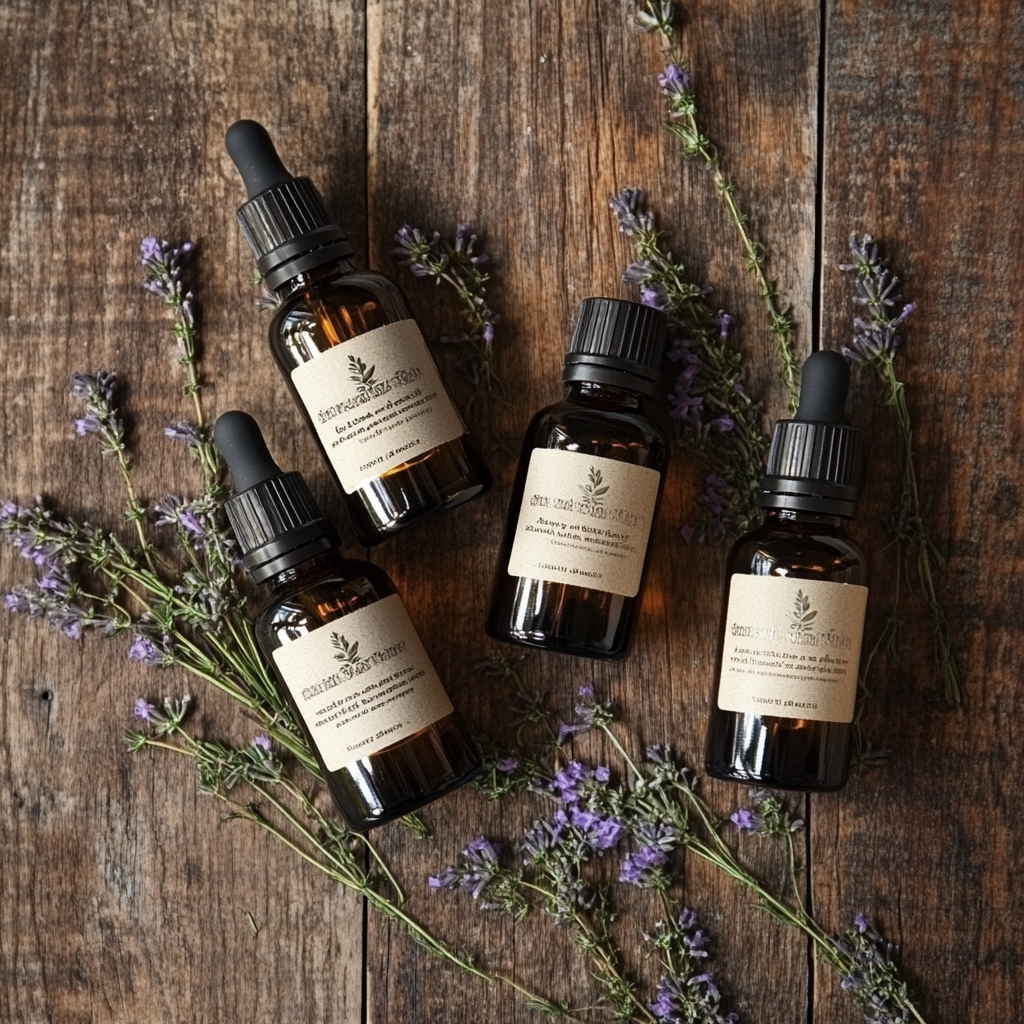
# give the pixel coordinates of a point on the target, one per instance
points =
(122, 898)
(924, 142)
(523, 118)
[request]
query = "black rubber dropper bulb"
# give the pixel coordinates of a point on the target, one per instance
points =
(252, 152)
(285, 220)
(240, 440)
(824, 384)
(276, 519)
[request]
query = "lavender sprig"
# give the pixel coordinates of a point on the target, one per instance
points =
(193, 616)
(716, 418)
(874, 346)
(662, 811)
(102, 418)
(456, 263)
(279, 806)
(677, 86)
(166, 266)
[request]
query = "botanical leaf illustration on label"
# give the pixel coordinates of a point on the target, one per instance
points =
(363, 377)
(792, 647)
(802, 615)
(348, 654)
(593, 492)
(585, 521)
(362, 685)
(376, 402)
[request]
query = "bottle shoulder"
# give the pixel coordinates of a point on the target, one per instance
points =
(803, 553)
(594, 429)
(310, 600)
(327, 311)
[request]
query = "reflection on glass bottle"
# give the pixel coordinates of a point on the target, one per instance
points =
(574, 556)
(346, 656)
(352, 356)
(793, 611)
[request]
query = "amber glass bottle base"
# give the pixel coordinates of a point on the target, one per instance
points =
(771, 783)
(543, 643)
(779, 753)
(401, 779)
(412, 804)
(414, 515)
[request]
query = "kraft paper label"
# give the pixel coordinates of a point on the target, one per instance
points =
(585, 521)
(363, 682)
(792, 648)
(377, 401)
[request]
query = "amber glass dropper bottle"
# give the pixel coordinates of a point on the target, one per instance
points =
(352, 356)
(793, 615)
(345, 654)
(573, 562)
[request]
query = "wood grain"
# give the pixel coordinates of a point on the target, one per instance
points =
(524, 118)
(122, 896)
(924, 140)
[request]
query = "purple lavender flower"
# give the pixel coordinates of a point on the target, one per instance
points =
(861, 922)
(602, 773)
(723, 424)
(567, 729)
(875, 287)
(186, 432)
(640, 868)
(100, 386)
(508, 764)
(448, 879)
(15, 602)
(144, 710)
(262, 742)
(724, 322)
(655, 295)
(143, 649)
(746, 819)
(164, 265)
(630, 208)
(675, 81)
(414, 248)
(599, 833)
(566, 785)
(86, 425)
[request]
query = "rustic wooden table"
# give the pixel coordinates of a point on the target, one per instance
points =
(122, 895)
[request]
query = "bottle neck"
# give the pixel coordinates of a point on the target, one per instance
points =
(800, 520)
(608, 396)
(326, 563)
(314, 277)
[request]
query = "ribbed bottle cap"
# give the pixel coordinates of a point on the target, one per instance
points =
(285, 221)
(815, 458)
(617, 342)
(276, 519)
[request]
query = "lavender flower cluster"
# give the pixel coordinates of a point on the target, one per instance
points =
(715, 415)
(875, 289)
(458, 264)
(57, 548)
(593, 816)
(873, 976)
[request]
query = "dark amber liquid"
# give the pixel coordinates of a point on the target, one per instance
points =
(327, 307)
(594, 419)
(375, 789)
(784, 753)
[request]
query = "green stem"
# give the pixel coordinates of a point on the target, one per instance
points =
(912, 531)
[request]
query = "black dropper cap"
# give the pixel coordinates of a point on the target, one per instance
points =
(617, 342)
(276, 520)
(285, 221)
(814, 461)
